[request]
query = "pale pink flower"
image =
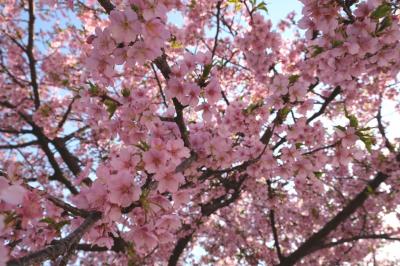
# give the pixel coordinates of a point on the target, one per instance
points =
(154, 9)
(164, 236)
(192, 94)
(348, 138)
(144, 238)
(176, 88)
(181, 197)
(124, 25)
(169, 181)
(126, 161)
(102, 42)
(298, 91)
(155, 32)
(280, 85)
(3, 254)
(303, 168)
(13, 194)
(122, 190)
(2, 225)
(169, 222)
(154, 160)
(207, 111)
(177, 150)
(212, 91)
(159, 202)
(142, 52)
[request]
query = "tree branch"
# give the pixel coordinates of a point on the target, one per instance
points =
(107, 5)
(328, 100)
(66, 114)
(206, 210)
(360, 237)
(275, 235)
(59, 247)
(317, 238)
(31, 57)
(382, 130)
(20, 145)
(217, 30)
(159, 85)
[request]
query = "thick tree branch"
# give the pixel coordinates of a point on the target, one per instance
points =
(179, 248)
(59, 247)
(58, 174)
(107, 5)
(206, 210)
(345, 4)
(318, 238)
(67, 207)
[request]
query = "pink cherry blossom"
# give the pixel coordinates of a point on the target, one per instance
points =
(154, 160)
(124, 25)
(12, 194)
(212, 91)
(169, 181)
(177, 150)
(122, 190)
(142, 131)
(144, 238)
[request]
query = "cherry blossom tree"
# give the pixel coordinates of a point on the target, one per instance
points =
(128, 139)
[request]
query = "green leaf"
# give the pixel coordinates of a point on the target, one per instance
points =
(48, 220)
(318, 174)
(262, 6)
(125, 92)
(143, 146)
(365, 129)
(317, 50)
(381, 11)
(135, 8)
(282, 113)
(207, 69)
(61, 224)
(293, 78)
(341, 128)
(298, 145)
(367, 139)
(352, 118)
(252, 107)
(10, 217)
(336, 43)
(111, 106)
(93, 90)
(353, 121)
(53, 224)
(386, 23)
